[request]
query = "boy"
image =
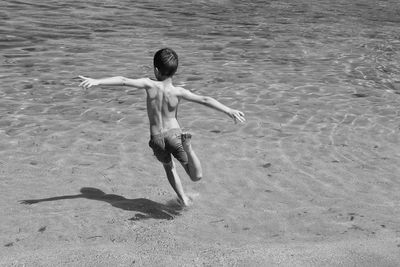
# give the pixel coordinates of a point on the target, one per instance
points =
(166, 136)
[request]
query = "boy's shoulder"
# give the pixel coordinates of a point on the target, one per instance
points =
(177, 90)
(150, 81)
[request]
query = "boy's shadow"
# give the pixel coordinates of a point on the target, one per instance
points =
(147, 208)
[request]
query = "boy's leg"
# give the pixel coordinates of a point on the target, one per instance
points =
(193, 168)
(175, 182)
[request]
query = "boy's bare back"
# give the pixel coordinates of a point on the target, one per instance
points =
(162, 106)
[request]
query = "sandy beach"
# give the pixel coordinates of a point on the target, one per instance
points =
(91, 201)
(311, 179)
(95, 196)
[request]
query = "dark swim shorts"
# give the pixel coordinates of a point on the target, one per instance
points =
(167, 143)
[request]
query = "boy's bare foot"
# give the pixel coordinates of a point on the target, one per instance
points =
(186, 140)
(185, 202)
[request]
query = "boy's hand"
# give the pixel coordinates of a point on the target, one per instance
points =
(88, 82)
(237, 115)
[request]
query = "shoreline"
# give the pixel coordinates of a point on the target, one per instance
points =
(358, 252)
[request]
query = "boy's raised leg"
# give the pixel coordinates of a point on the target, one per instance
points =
(175, 182)
(193, 168)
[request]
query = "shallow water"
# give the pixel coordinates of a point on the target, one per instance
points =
(319, 83)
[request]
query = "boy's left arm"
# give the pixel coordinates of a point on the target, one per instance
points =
(236, 115)
(142, 83)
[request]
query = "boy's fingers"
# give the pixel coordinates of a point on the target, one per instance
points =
(237, 118)
(241, 118)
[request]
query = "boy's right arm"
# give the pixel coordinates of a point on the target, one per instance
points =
(142, 83)
(236, 115)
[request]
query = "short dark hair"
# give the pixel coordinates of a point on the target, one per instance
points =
(166, 61)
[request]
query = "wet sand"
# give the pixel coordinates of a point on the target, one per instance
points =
(311, 179)
(94, 195)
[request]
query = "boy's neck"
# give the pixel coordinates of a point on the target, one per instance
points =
(167, 80)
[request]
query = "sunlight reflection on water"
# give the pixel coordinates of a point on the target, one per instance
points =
(260, 56)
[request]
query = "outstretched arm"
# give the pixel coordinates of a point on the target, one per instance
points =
(236, 115)
(141, 83)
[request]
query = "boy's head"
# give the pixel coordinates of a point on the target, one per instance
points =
(165, 63)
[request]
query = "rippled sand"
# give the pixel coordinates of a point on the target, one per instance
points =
(312, 178)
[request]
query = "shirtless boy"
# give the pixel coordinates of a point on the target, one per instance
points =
(162, 105)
